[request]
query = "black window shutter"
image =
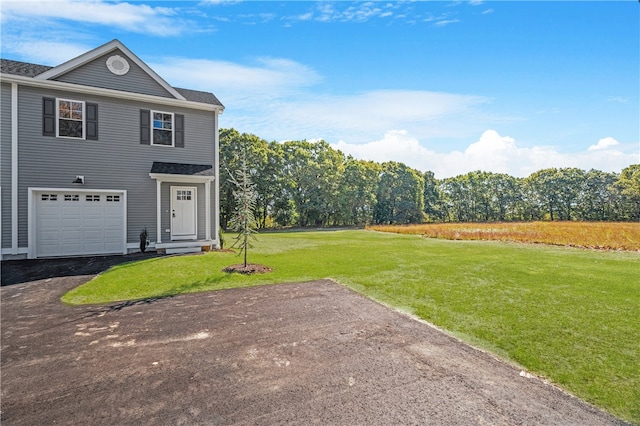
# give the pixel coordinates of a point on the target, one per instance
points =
(48, 117)
(92, 121)
(145, 126)
(179, 129)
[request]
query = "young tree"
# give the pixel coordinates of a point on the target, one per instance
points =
(243, 220)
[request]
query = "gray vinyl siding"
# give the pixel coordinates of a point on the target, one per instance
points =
(115, 161)
(5, 163)
(96, 74)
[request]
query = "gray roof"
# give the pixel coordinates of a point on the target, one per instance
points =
(198, 96)
(25, 69)
(182, 169)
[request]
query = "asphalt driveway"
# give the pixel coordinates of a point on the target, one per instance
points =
(304, 353)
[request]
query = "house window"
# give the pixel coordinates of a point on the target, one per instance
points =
(162, 128)
(68, 118)
(183, 195)
(71, 118)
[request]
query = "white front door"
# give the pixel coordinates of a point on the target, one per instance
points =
(183, 213)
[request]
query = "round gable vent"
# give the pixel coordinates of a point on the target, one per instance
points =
(118, 65)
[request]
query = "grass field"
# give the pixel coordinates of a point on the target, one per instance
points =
(567, 314)
(594, 235)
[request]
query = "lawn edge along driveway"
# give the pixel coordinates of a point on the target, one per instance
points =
(302, 353)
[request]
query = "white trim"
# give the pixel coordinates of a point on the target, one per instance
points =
(159, 211)
(216, 173)
(31, 213)
(112, 65)
(14, 168)
(103, 50)
(207, 210)
(84, 118)
(169, 178)
(184, 243)
(152, 128)
(165, 177)
(98, 91)
(194, 198)
(9, 251)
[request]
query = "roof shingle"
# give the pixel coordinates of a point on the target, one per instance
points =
(182, 169)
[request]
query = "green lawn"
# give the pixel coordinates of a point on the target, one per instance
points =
(570, 315)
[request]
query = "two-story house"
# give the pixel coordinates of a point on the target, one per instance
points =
(97, 149)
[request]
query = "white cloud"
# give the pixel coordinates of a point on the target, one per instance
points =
(492, 152)
(446, 22)
(347, 12)
(604, 143)
(44, 52)
(378, 110)
(618, 99)
(240, 86)
(260, 96)
(140, 18)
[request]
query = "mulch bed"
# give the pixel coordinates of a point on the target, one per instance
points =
(251, 268)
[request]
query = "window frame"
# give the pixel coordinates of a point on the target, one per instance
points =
(152, 128)
(84, 118)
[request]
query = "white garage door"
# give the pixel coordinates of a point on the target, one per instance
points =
(74, 223)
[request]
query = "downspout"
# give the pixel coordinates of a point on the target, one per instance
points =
(14, 168)
(216, 182)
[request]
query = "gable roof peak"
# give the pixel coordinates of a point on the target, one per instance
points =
(111, 46)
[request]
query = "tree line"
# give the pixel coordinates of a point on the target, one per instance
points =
(301, 183)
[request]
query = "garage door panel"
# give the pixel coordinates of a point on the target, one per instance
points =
(49, 236)
(113, 222)
(51, 224)
(92, 234)
(112, 232)
(93, 210)
(71, 208)
(79, 223)
(49, 249)
(71, 248)
(92, 222)
(71, 235)
(92, 247)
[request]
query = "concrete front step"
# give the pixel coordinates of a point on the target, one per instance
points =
(178, 250)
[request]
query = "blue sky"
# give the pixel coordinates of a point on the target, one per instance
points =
(452, 87)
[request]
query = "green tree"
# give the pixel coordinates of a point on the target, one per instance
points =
(400, 195)
(598, 200)
(243, 220)
(232, 144)
(357, 196)
(433, 208)
(629, 186)
(312, 172)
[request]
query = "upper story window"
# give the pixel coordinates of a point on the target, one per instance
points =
(162, 128)
(70, 118)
